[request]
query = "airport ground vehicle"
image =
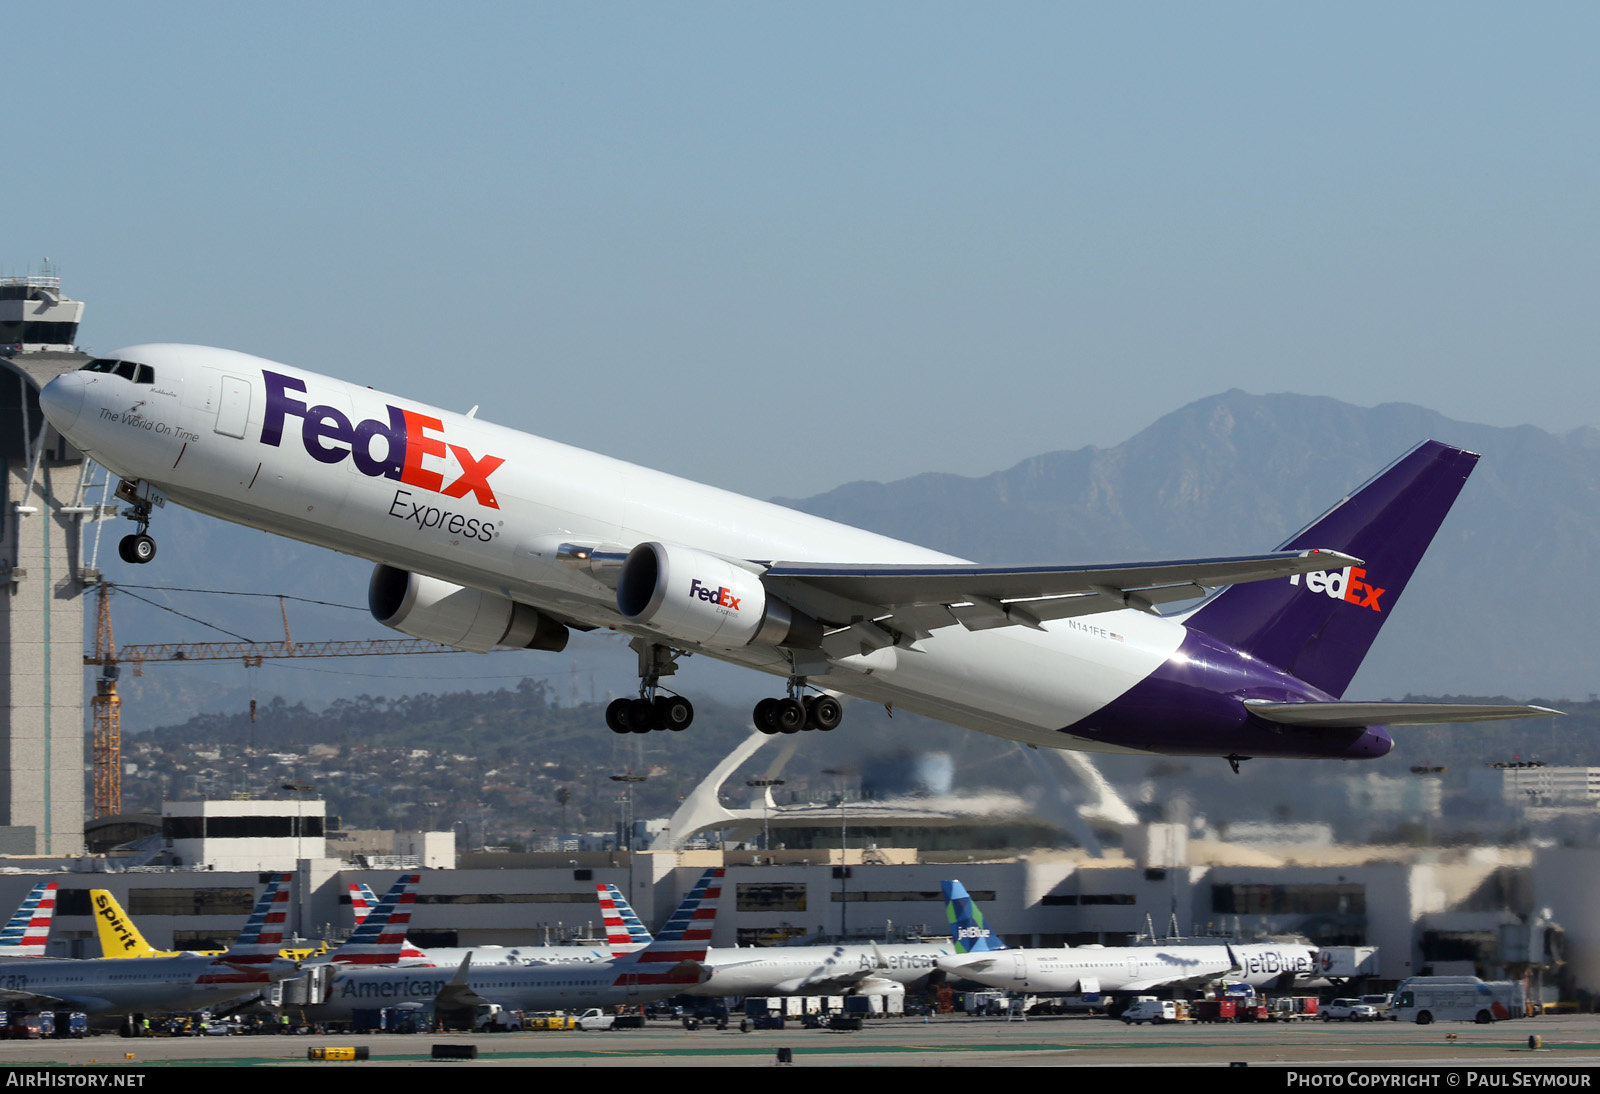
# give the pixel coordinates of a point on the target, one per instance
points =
(1427, 999)
(596, 1018)
(1157, 1012)
(1349, 1010)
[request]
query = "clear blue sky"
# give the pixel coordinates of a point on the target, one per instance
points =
(783, 246)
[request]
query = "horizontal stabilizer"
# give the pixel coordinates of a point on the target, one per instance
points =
(1352, 715)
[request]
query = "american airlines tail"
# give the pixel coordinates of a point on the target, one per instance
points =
(1304, 624)
(967, 929)
(625, 933)
(29, 929)
(380, 937)
(263, 934)
(678, 953)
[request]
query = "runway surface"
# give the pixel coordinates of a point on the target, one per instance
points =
(1568, 1041)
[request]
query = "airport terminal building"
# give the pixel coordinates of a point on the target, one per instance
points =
(1490, 911)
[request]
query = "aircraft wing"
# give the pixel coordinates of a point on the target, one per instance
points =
(915, 600)
(16, 999)
(458, 994)
(1353, 715)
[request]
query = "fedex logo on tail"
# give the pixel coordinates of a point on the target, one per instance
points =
(409, 442)
(1348, 584)
(722, 596)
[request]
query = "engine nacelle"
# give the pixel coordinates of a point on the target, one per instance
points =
(700, 598)
(425, 607)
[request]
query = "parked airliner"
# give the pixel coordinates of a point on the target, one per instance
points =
(190, 981)
(983, 958)
(624, 934)
(485, 536)
(671, 963)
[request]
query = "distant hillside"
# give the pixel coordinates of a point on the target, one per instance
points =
(516, 767)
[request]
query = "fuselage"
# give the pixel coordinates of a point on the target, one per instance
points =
(817, 970)
(482, 506)
(1131, 968)
(102, 986)
(516, 987)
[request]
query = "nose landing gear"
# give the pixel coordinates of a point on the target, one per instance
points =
(138, 548)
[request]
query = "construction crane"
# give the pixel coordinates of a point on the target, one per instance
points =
(107, 704)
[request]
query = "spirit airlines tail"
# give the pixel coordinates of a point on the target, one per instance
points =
(484, 536)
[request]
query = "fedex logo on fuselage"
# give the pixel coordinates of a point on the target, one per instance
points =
(721, 596)
(1345, 584)
(409, 440)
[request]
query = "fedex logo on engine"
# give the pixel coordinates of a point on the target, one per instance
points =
(1346, 584)
(722, 597)
(409, 440)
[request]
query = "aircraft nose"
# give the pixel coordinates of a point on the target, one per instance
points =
(62, 399)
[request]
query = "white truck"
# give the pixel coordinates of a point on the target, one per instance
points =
(1155, 1011)
(596, 1019)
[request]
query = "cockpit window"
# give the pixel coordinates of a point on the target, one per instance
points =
(128, 370)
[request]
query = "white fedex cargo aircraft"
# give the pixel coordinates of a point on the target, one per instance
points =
(484, 536)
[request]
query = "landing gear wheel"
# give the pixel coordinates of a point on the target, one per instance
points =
(137, 549)
(763, 716)
(641, 715)
(824, 713)
(789, 715)
(673, 712)
(617, 715)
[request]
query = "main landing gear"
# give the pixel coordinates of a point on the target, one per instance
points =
(798, 711)
(138, 548)
(653, 709)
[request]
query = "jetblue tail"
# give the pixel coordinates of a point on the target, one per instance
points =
(1319, 626)
(967, 930)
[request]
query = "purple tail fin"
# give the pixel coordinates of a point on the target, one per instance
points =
(1319, 626)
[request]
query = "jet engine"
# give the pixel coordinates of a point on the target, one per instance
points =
(425, 607)
(701, 598)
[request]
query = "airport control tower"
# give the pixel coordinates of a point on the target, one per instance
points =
(42, 577)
